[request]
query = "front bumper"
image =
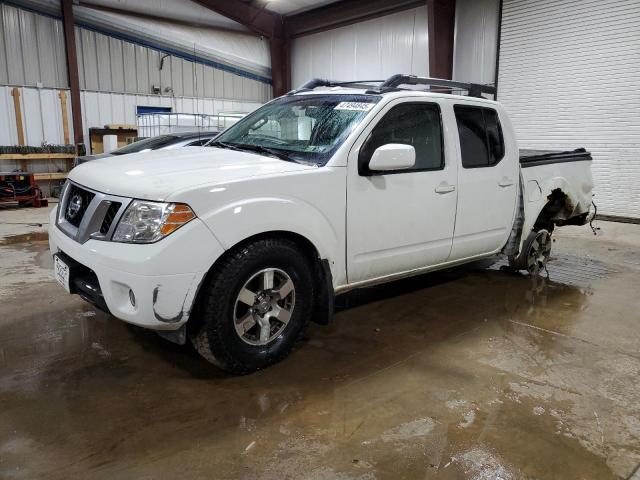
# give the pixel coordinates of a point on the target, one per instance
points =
(163, 276)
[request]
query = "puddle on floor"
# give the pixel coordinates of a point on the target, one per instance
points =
(24, 238)
(471, 373)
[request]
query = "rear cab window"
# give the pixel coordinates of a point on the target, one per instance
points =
(480, 133)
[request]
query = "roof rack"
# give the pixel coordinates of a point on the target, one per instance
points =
(394, 83)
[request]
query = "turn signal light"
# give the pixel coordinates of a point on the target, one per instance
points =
(179, 215)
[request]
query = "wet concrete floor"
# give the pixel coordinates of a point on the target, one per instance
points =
(473, 373)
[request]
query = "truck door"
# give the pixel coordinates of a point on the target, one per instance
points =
(400, 220)
(487, 183)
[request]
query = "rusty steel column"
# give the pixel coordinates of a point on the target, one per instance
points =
(441, 27)
(72, 69)
(280, 65)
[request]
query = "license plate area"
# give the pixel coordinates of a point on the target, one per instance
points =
(61, 272)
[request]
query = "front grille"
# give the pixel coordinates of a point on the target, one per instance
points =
(109, 216)
(78, 201)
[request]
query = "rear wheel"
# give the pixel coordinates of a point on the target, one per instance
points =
(255, 306)
(535, 253)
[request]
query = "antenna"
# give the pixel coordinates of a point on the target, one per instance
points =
(195, 83)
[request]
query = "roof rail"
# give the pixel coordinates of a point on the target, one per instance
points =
(394, 83)
(473, 89)
(320, 82)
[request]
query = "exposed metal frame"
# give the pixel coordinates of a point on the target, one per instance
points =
(280, 29)
(441, 26)
(72, 69)
(344, 13)
(268, 24)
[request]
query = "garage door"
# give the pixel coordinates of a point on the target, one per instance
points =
(569, 75)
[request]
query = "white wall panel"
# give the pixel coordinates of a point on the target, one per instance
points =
(52, 130)
(8, 134)
(420, 60)
(227, 91)
(13, 44)
(476, 30)
(104, 63)
(89, 59)
(45, 38)
(116, 65)
(568, 76)
(32, 122)
(4, 74)
(374, 49)
(28, 40)
(80, 58)
(129, 60)
(41, 116)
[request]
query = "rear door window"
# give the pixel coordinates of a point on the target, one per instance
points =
(481, 141)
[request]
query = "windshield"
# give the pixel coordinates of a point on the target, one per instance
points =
(153, 143)
(303, 128)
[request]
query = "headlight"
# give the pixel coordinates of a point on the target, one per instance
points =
(148, 222)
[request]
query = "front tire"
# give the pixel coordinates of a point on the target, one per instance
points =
(254, 306)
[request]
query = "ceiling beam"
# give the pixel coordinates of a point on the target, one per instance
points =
(256, 18)
(152, 17)
(344, 13)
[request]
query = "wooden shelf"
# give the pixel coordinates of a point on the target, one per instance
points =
(50, 176)
(36, 156)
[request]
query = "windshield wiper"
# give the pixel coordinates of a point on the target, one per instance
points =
(224, 145)
(254, 148)
(270, 151)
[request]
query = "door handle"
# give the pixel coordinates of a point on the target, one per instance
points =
(445, 188)
(505, 182)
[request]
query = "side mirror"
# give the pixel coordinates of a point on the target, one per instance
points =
(392, 156)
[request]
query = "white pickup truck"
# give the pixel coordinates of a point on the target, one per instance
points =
(332, 187)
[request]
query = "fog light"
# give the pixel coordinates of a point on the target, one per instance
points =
(132, 298)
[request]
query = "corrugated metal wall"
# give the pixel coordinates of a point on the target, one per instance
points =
(374, 49)
(568, 77)
(41, 116)
(31, 49)
(108, 64)
(115, 77)
(32, 52)
(476, 33)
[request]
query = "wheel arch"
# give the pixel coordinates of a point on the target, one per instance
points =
(320, 266)
(542, 213)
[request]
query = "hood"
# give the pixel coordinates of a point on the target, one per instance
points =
(155, 175)
(87, 158)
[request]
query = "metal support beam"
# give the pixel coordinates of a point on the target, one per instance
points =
(72, 69)
(344, 13)
(257, 19)
(441, 27)
(280, 65)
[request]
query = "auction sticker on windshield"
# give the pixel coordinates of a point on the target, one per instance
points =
(359, 106)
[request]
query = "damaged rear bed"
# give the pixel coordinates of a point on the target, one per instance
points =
(532, 158)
